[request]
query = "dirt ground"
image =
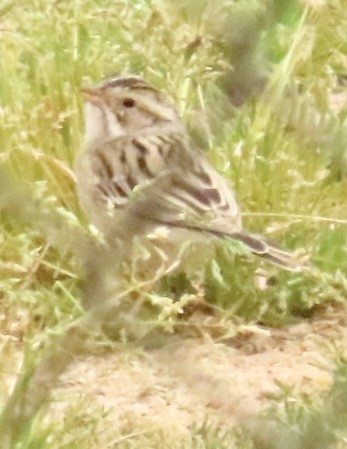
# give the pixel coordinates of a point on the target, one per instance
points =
(187, 380)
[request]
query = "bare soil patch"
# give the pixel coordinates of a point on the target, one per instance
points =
(186, 381)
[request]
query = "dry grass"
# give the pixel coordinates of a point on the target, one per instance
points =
(261, 87)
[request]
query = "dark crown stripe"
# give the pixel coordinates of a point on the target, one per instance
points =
(128, 82)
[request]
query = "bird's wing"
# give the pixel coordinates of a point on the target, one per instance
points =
(165, 179)
(186, 191)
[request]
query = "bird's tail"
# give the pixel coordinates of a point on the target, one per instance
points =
(269, 252)
(260, 247)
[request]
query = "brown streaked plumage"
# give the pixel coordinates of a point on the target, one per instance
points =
(140, 170)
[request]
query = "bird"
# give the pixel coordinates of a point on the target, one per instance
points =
(140, 172)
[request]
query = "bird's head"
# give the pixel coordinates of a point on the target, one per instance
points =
(123, 106)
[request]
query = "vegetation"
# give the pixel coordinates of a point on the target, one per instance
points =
(261, 87)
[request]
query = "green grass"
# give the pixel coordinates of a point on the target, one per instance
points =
(253, 80)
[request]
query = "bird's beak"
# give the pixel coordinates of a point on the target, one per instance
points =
(91, 94)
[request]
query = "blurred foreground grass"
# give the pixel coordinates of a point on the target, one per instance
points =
(261, 86)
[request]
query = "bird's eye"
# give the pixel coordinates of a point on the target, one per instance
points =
(128, 103)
